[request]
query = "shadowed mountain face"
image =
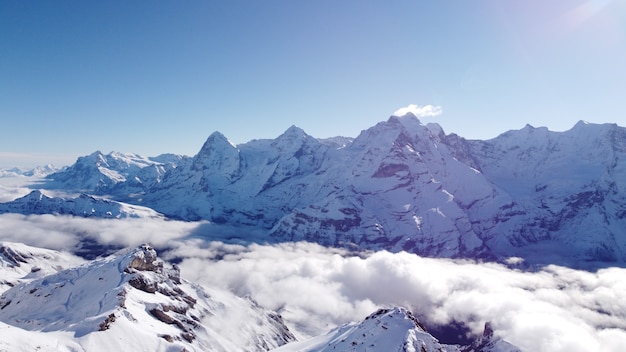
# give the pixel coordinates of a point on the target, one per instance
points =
(400, 185)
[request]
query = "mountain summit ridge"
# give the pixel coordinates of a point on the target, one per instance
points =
(404, 185)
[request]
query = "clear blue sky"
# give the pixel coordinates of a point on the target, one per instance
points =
(159, 76)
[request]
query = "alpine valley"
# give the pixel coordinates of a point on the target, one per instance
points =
(539, 205)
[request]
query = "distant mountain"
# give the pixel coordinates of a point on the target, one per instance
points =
(115, 173)
(39, 171)
(84, 205)
(400, 185)
(132, 301)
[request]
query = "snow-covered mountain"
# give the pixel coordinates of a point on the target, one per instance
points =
(131, 301)
(84, 205)
(117, 173)
(385, 330)
(400, 185)
(394, 329)
(39, 171)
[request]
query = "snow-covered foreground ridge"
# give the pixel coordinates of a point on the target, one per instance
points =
(131, 301)
(134, 301)
(400, 185)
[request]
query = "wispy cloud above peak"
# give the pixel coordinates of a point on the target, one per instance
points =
(419, 111)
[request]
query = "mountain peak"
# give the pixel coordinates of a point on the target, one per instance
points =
(293, 133)
(394, 329)
(217, 153)
(409, 117)
(217, 138)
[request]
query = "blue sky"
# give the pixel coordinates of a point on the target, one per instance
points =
(151, 77)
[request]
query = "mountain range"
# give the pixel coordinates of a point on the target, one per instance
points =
(401, 185)
(529, 196)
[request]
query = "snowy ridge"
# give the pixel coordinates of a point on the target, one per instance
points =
(22, 263)
(385, 330)
(134, 301)
(403, 185)
(85, 205)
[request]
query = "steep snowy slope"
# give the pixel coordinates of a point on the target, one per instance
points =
(395, 187)
(84, 205)
(22, 263)
(567, 189)
(390, 188)
(133, 301)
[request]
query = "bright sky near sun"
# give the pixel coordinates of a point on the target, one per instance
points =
(152, 77)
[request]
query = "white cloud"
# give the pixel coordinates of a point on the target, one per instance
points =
(65, 232)
(419, 111)
(555, 309)
(317, 288)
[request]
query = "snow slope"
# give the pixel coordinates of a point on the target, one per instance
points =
(132, 301)
(22, 263)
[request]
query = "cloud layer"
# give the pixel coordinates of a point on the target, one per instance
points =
(555, 309)
(317, 288)
(63, 232)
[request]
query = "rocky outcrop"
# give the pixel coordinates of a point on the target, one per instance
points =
(490, 343)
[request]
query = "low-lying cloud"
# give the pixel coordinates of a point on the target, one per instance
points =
(317, 288)
(64, 232)
(555, 309)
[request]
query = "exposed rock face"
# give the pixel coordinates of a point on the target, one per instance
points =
(489, 343)
(146, 260)
(13, 257)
